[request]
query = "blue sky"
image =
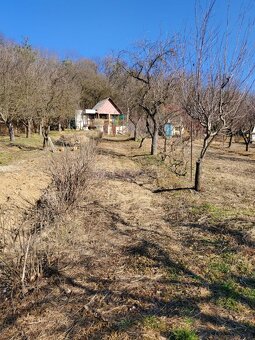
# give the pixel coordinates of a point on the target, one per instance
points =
(90, 28)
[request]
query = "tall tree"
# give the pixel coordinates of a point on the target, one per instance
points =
(246, 121)
(153, 66)
(93, 85)
(127, 92)
(29, 84)
(59, 94)
(9, 85)
(216, 82)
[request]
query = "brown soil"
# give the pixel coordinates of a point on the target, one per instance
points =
(23, 180)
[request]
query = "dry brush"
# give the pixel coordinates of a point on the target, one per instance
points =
(30, 245)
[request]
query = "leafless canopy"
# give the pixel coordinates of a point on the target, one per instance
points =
(153, 66)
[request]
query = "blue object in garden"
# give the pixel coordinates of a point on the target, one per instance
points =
(168, 129)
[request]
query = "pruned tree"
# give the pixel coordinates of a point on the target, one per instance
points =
(247, 121)
(127, 92)
(153, 66)
(60, 96)
(129, 97)
(216, 82)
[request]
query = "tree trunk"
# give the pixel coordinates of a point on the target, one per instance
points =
(141, 143)
(154, 142)
(45, 141)
(45, 133)
(197, 186)
(247, 139)
(11, 131)
(59, 127)
(230, 141)
(165, 143)
(135, 133)
(28, 129)
(223, 141)
(41, 129)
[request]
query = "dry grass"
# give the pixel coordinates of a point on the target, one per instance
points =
(29, 245)
(134, 264)
(71, 174)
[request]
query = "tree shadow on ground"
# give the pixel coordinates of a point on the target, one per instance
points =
(104, 305)
(25, 147)
(232, 158)
(159, 190)
(118, 140)
(216, 290)
(105, 301)
(140, 155)
(108, 152)
(224, 228)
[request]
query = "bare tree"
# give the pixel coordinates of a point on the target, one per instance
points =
(9, 84)
(59, 95)
(43, 90)
(215, 83)
(152, 65)
(29, 85)
(93, 85)
(127, 92)
(247, 121)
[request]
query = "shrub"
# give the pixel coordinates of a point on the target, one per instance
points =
(72, 175)
(26, 249)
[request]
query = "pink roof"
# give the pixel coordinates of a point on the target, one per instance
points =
(107, 106)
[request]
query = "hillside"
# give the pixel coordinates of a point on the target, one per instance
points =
(133, 262)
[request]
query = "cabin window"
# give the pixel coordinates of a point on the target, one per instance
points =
(103, 116)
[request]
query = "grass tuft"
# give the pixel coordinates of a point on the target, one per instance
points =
(183, 334)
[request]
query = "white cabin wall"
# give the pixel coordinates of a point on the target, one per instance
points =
(78, 120)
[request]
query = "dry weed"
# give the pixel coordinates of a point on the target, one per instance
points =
(28, 245)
